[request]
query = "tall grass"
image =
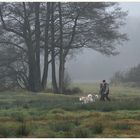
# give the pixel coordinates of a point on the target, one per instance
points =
(82, 133)
(122, 126)
(61, 126)
(22, 130)
(6, 132)
(97, 128)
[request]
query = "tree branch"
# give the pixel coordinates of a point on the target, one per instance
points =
(6, 28)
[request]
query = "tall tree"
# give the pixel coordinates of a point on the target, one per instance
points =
(37, 47)
(61, 53)
(58, 29)
(91, 25)
(54, 82)
(46, 48)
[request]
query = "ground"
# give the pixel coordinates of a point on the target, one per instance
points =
(27, 114)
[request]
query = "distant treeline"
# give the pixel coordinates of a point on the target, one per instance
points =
(129, 77)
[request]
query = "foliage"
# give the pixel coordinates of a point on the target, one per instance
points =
(72, 91)
(25, 27)
(131, 76)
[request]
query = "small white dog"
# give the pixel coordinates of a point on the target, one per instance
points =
(96, 96)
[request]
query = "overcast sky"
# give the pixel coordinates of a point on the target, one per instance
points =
(92, 66)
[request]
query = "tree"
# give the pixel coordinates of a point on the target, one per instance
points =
(21, 25)
(129, 76)
(46, 47)
(89, 25)
(58, 29)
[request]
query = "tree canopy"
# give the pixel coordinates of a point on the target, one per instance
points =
(54, 30)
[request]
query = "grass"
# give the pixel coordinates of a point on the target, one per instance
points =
(122, 126)
(48, 115)
(23, 130)
(97, 128)
(82, 133)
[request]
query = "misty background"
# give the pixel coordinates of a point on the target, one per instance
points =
(90, 66)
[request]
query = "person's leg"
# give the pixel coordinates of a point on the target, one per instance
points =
(107, 97)
(102, 97)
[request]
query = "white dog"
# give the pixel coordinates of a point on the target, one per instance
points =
(96, 96)
(84, 99)
(89, 98)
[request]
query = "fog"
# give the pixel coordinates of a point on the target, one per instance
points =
(89, 66)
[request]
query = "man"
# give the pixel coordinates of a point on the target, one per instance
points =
(104, 91)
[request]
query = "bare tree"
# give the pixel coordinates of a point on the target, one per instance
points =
(58, 29)
(46, 48)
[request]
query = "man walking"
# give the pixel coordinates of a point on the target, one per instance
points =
(104, 91)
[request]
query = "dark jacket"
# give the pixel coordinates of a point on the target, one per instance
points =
(104, 88)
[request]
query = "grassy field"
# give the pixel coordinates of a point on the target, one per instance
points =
(36, 115)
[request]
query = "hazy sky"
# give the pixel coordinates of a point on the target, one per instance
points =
(92, 66)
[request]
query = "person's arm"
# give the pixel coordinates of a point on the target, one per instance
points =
(100, 89)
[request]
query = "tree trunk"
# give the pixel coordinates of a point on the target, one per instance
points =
(37, 48)
(31, 60)
(54, 83)
(33, 51)
(46, 64)
(61, 55)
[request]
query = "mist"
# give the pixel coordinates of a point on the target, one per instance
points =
(90, 66)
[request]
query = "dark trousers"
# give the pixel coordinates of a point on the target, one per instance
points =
(104, 96)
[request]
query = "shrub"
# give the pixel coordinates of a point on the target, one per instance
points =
(76, 90)
(72, 91)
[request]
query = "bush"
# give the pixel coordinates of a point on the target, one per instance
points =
(72, 91)
(76, 90)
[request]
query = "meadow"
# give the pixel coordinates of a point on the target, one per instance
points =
(47, 115)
